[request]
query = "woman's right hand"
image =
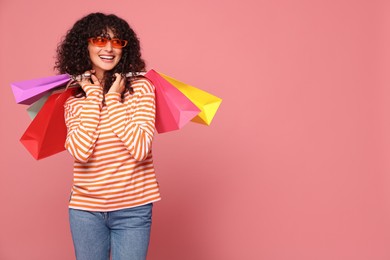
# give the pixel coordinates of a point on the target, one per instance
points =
(86, 80)
(87, 85)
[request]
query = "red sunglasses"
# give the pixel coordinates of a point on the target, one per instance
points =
(102, 41)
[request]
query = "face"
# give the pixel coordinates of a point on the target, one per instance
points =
(104, 58)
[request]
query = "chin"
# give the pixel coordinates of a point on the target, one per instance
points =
(107, 68)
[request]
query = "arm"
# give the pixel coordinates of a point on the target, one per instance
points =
(82, 124)
(134, 127)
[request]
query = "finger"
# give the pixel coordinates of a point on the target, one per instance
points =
(95, 79)
(118, 77)
(83, 82)
(123, 79)
(118, 80)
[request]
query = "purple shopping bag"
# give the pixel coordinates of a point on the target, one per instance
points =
(28, 91)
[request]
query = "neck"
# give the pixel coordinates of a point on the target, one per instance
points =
(100, 75)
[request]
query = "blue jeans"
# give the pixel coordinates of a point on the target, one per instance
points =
(125, 233)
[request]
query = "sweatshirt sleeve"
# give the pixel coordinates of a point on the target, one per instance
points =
(82, 118)
(133, 120)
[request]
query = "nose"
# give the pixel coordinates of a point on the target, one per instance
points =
(108, 47)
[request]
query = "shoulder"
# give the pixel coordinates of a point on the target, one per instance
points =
(142, 85)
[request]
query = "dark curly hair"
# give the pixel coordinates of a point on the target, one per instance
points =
(73, 56)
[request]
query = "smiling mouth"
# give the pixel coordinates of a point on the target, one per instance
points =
(106, 57)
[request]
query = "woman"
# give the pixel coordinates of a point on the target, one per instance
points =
(110, 123)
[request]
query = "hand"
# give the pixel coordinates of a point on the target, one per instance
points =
(86, 81)
(118, 86)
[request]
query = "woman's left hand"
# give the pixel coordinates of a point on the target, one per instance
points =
(118, 86)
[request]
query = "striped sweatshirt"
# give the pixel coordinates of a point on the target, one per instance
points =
(111, 145)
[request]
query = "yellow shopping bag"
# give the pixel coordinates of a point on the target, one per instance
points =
(206, 102)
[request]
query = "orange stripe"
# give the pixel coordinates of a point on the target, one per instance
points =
(77, 197)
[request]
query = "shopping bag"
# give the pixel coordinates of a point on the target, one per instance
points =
(37, 105)
(176, 104)
(173, 109)
(206, 102)
(46, 134)
(28, 91)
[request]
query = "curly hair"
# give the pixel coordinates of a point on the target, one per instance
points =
(73, 56)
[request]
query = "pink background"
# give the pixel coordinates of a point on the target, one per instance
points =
(295, 164)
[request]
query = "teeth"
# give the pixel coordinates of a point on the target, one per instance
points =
(107, 57)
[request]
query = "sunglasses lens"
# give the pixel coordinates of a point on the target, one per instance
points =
(99, 41)
(118, 43)
(102, 41)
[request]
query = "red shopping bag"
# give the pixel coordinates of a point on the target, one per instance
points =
(46, 134)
